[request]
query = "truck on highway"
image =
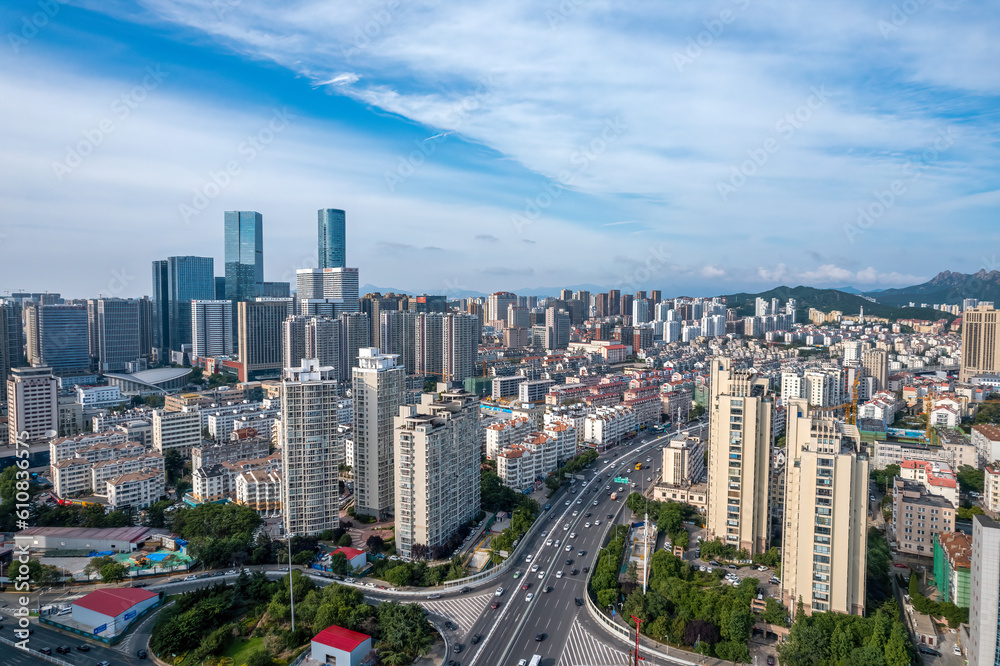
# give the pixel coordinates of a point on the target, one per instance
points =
(614, 496)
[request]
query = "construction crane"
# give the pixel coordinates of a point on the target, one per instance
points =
(850, 408)
(929, 408)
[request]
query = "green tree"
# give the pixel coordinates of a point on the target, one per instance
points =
(970, 478)
(113, 573)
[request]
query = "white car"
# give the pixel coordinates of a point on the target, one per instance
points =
(576, 513)
(568, 548)
(534, 568)
(499, 591)
(572, 535)
(597, 522)
(957, 650)
(528, 558)
(567, 502)
(549, 542)
(586, 524)
(541, 574)
(231, 572)
(559, 574)
(529, 596)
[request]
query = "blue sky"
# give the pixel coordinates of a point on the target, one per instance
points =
(699, 148)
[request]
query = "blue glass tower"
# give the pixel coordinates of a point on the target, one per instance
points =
(244, 254)
(332, 238)
(188, 279)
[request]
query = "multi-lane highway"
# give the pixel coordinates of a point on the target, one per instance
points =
(568, 635)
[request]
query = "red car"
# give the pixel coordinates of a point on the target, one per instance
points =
(495, 605)
(525, 586)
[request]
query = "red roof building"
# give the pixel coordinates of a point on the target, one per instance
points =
(340, 646)
(110, 611)
(356, 558)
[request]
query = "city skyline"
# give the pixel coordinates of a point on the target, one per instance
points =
(473, 172)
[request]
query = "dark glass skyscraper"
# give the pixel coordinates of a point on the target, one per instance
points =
(332, 238)
(176, 282)
(244, 254)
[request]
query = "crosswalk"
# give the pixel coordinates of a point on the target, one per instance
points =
(463, 611)
(583, 649)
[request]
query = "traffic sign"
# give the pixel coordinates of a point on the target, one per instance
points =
(619, 479)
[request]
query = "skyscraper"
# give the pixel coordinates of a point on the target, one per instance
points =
(244, 254)
(741, 412)
(980, 342)
(260, 337)
(312, 449)
(58, 338)
(825, 538)
(211, 328)
(332, 238)
(436, 470)
(378, 391)
(161, 306)
(118, 333)
(338, 284)
(176, 282)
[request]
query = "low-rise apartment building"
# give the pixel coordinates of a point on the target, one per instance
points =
(137, 490)
(917, 516)
(260, 490)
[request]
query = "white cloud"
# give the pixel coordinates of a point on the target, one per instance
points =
(712, 272)
(341, 80)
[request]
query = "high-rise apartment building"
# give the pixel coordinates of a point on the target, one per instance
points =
(614, 302)
(876, 364)
(437, 448)
(332, 238)
(983, 648)
(244, 240)
(825, 536)
(9, 354)
(379, 385)
(58, 337)
(211, 328)
(557, 325)
(32, 404)
(427, 342)
(398, 335)
(741, 412)
(355, 335)
(496, 305)
(460, 346)
(980, 342)
(260, 337)
(312, 448)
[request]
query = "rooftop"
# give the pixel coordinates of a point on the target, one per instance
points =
(340, 638)
(114, 601)
(123, 534)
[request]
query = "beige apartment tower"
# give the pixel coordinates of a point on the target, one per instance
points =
(379, 388)
(312, 448)
(825, 537)
(980, 342)
(876, 364)
(437, 470)
(741, 412)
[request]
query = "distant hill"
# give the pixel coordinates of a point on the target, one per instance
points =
(829, 299)
(946, 287)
